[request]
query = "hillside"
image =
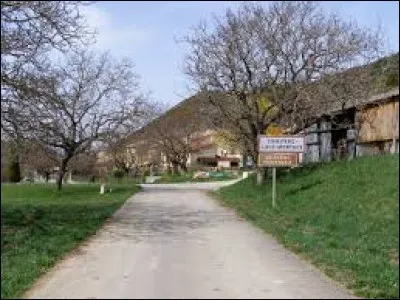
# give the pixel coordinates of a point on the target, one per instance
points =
(386, 72)
(385, 76)
(191, 108)
(342, 216)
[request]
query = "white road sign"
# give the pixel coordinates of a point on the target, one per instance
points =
(288, 144)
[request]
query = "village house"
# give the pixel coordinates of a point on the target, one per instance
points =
(207, 152)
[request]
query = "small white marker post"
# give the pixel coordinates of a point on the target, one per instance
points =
(273, 187)
(102, 189)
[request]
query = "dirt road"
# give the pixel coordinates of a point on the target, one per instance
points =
(176, 242)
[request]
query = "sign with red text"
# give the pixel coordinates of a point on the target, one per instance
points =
(278, 159)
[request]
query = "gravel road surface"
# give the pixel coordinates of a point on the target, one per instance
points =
(174, 241)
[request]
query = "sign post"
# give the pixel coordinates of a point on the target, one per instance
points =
(279, 151)
(273, 187)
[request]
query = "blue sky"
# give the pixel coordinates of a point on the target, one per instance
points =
(145, 32)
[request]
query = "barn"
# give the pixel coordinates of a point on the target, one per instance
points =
(371, 127)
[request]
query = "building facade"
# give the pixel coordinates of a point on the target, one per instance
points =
(372, 127)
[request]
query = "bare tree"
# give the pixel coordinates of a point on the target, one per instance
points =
(261, 64)
(126, 148)
(84, 165)
(173, 132)
(123, 157)
(38, 157)
(81, 100)
(30, 29)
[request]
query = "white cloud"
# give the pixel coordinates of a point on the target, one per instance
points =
(123, 40)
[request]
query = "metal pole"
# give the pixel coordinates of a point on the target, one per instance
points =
(273, 187)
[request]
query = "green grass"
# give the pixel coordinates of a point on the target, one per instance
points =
(342, 216)
(40, 225)
(188, 177)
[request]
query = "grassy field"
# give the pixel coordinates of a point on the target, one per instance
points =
(188, 177)
(342, 216)
(40, 225)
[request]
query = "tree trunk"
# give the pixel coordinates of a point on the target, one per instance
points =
(261, 175)
(175, 168)
(183, 167)
(60, 179)
(169, 170)
(47, 176)
(254, 158)
(14, 169)
(61, 172)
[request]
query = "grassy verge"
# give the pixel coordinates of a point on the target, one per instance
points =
(40, 225)
(342, 216)
(188, 177)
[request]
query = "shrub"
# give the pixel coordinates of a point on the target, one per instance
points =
(119, 174)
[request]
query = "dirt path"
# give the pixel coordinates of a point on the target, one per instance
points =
(179, 243)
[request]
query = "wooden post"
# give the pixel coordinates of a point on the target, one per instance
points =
(273, 187)
(325, 141)
(312, 142)
(351, 143)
